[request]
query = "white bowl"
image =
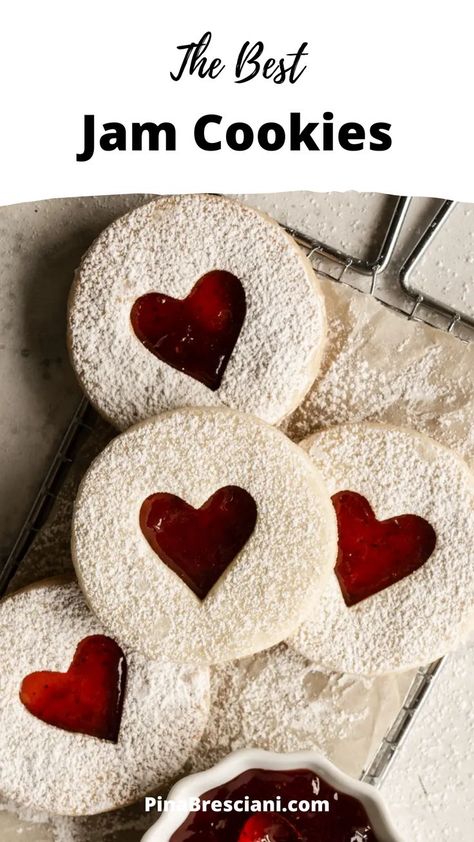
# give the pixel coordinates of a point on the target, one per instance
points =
(240, 761)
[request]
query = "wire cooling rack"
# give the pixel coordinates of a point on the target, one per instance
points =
(414, 303)
(85, 421)
(364, 266)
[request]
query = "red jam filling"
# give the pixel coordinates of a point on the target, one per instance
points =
(195, 335)
(346, 819)
(199, 544)
(88, 698)
(375, 554)
(271, 827)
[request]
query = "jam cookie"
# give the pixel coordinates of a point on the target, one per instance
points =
(86, 725)
(195, 301)
(402, 592)
(202, 535)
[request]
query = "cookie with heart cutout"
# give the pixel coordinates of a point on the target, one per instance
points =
(402, 591)
(195, 300)
(86, 725)
(202, 535)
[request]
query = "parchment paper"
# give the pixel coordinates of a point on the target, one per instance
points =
(377, 366)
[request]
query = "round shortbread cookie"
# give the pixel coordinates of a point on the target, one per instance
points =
(165, 709)
(270, 579)
(391, 618)
(161, 251)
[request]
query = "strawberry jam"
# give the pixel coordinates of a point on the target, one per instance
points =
(199, 544)
(197, 334)
(88, 698)
(345, 819)
(375, 554)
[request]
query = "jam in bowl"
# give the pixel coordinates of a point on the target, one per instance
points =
(259, 796)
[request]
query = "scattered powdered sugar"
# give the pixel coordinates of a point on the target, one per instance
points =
(276, 700)
(24, 823)
(165, 710)
(265, 592)
(166, 246)
(430, 786)
(50, 552)
(125, 825)
(379, 366)
(424, 615)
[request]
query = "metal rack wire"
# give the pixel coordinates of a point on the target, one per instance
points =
(422, 683)
(80, 426)
(85, 420)
(415, 301)
(417, 296)
(373, 267)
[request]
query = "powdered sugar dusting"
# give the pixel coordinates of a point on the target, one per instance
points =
(165, 710)
(277, 700)
(50, 552)
(378, 366)
(165, 246)
(125, 825)
(265, 592)
(426, 614)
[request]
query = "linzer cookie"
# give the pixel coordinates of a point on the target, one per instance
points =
(202, 535)
(191, 301)
(85, 724)
(402, 591)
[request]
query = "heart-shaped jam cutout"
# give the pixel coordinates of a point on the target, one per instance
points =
(88, 698)
(197, 334)
(268, 827)
(199, 544)
(375, 554)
